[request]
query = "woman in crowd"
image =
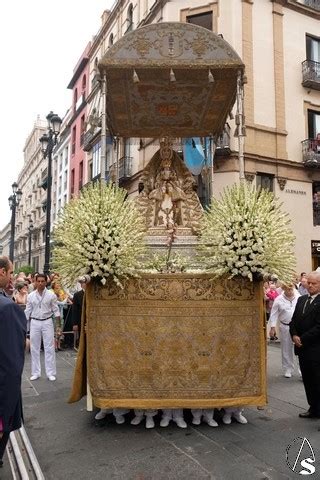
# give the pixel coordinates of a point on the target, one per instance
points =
(282, 311)
(63, 300)
(21, 294)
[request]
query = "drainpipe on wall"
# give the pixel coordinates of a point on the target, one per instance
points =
(103, 136)
(240, 120)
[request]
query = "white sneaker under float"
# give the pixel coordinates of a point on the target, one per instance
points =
(196, 420)
(102, 413)
(240, 418)
(150, 422)
(34, 377)
(164, 422)
(136, 420)
(52, 378)
(120, 419)
(226, 418)
(288, 374)
(180, 422)
(211, 422)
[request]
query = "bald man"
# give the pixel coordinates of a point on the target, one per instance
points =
(305, 334)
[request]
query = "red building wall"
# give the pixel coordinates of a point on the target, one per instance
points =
(80, 88)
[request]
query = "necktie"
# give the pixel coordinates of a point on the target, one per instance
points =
(307, 303)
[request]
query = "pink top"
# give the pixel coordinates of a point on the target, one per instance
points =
(272, 294)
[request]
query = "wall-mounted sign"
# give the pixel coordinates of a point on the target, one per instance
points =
(295, 192)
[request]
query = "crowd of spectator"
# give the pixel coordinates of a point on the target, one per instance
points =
(23, 284)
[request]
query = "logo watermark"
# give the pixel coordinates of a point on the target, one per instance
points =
(300, 456)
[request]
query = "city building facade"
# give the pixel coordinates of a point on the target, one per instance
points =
(61, 169)
(32, 180)
(280, 45)
(5, 235)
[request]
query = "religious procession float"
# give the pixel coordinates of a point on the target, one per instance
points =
(173, 315)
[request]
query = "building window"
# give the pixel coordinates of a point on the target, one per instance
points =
(201, 19)
(72, 182)
(111, 40)
(129, 18)
(90, 171)
(126, 147)
(313, 124)
(82, 130)
(80, 175)
(313, 48)
(74, 137)
(75, 99)
(35, 264)
(66, 154)
(96, 154)
(316, 202)
(84, 86)
(265, 181)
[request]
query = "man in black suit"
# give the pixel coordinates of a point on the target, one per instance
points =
(305, 333)
(77, 301)
(13, 329)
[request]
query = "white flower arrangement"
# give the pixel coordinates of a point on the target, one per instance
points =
(100, 234)
(246, 233)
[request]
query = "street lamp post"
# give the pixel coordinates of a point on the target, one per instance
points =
(30, 229)
(14, 201)
(48, 142)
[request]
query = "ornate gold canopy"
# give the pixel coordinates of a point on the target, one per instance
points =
(172, 78)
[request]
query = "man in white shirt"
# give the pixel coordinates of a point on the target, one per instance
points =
(282, 311)
(41, 306)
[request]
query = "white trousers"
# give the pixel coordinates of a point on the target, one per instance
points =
(172, 413)
(148, 413)
(287, 348)
(206, 412)
(42, 329)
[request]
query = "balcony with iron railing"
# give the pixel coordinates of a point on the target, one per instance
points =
(125, 168)
(92, 181)
(315, 4)
(89, 138)
(44, 179)
(311, 74)
(311, 152)
(223, 142)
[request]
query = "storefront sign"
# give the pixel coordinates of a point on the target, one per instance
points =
(295, 192)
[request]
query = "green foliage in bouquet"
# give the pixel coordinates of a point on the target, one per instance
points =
(164, 264)
(246, 233)
(100, 234)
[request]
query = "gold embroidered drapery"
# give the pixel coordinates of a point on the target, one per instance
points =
(176, 340)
